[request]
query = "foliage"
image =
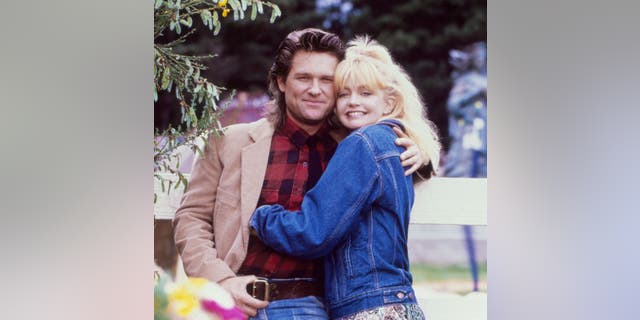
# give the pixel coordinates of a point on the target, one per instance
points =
(419, 33)
(197, 96)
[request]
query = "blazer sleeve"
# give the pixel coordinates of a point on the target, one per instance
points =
(193, 222)
(330, 210)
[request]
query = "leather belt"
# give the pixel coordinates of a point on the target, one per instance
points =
(278, 289)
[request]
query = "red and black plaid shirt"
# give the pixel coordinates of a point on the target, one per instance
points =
(285, 183)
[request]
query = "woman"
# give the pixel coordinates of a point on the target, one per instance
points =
(357, 215)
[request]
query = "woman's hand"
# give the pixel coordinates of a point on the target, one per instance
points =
(411, 157)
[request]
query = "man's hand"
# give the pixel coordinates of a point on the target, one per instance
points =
(411, 157)
(237, 287)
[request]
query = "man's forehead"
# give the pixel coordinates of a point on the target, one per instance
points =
(314, 62)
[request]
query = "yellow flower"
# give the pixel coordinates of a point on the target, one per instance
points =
(225, 12)
(183, 300)
(198, 283)
(222, 3)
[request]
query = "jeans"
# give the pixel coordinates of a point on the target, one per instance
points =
(299, 308)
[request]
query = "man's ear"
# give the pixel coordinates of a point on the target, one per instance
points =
(280, 81)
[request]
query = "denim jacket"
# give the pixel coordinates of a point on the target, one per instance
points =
(357, 218)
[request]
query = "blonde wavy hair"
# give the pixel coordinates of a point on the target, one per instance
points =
(368, 63)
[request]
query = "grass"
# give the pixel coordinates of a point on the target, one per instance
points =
(453, 279)
(423, 272)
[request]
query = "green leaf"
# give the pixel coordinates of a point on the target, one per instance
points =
(216, 30)
(216, 23)
(260, 9)
(205, 16)
(165, 79)
(186, 22)
(233, 4)
(274, 14)
(237, 12)
(188, 63)
(254, 12)
(192, 116)
(157, 4)
(184, 181)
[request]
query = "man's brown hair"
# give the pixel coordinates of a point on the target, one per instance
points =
(309, 40)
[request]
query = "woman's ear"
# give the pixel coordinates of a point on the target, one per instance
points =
(281, 84)
(389, 105)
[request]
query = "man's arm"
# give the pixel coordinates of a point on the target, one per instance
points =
(193, 222)
(194, 236)
(412, 159)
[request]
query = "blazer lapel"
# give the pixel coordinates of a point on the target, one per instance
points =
(253, 167)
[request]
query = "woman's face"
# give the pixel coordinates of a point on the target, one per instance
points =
(361, 106)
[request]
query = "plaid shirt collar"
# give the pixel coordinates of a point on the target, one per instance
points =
(299, 137)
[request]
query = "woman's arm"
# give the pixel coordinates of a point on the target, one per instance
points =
(329, 210)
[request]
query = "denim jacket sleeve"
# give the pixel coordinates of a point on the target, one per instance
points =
(329, 210)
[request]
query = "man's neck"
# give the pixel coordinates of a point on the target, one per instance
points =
(310, 129)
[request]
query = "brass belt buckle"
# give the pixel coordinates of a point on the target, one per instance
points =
(259, 289)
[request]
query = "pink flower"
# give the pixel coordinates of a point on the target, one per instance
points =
(228, 314)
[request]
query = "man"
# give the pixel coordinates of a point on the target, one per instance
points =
(273, 160)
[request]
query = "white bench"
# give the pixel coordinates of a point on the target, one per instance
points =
(452, 201)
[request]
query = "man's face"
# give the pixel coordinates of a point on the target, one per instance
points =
(308, 89)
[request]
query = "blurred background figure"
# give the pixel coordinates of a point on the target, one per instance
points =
(467, 107)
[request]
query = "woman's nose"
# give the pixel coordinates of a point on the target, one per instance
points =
(353, 100)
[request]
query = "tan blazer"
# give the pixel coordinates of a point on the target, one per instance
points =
(211, 226)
